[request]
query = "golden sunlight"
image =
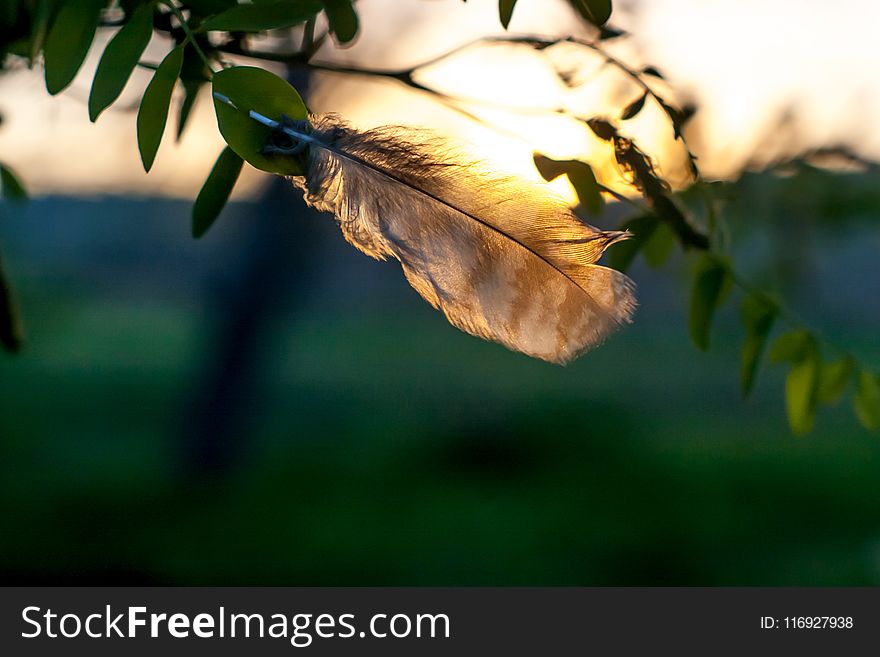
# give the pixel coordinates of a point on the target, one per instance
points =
(504, 102)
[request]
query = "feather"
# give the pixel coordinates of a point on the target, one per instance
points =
(502, 258)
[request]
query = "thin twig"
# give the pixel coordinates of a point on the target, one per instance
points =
(190, 36)
(784, 312)
(406, 75)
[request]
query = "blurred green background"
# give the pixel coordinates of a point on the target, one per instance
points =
(268, 406)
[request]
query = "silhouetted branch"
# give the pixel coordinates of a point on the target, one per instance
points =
(406, 76)
(837, 153)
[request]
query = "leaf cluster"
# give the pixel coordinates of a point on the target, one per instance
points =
(63, 32)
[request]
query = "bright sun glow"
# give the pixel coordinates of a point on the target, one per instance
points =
(744, 86)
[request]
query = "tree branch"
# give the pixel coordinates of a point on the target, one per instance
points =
(688, 236)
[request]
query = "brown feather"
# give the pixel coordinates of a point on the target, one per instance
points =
(503, 258)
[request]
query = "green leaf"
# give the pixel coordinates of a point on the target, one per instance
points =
(790, 347)
(867, 400)
(659, 246)
(596, 11)
(505, 11)
(190, 94)
(69, 40)
(215, 192)
(833, 379)
(10, 325)
(262, 16)
(621, 254)
(209, 7)
(193, 76)
(153, 112)
(129, 6)
(634, 107)
(581, 176)
(800, 391)
(342, 18)
(758, 315)
(710, 284)
(119, 60)
(43, 13)
(20, 47)
(256, 89)
(8, 12)
(11, 186)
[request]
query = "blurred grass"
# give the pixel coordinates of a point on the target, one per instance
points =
(384, 447)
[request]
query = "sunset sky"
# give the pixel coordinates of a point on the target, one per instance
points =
(769, 78)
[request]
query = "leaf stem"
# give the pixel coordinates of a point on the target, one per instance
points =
(190, 37)
(406, 76)
(784, 312)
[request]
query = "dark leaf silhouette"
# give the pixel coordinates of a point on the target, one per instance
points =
(679, 117)
(606, 33)
(637, 166)
(343, 19)
(193, 76)
(711, 282)
(256, 89)
(596, 11)
(258, 17)
(10, 185)
(602, 129)
(191, 91)
(210, 7)
(215, 192)
(119, 60)
(651, 70)
(68, 41)
(659, 245)
(43, 14)
(622, 254)
(10, 326)
(581, 176)
(634, 108)
(505, 11)
(153, 111)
